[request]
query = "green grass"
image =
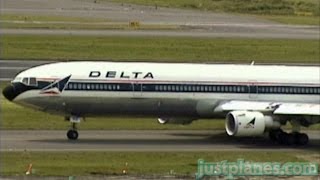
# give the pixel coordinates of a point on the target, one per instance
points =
(284, 7)
(305, 20)
(298, 11)
(281, 7)
(164, 49)
(139, 163)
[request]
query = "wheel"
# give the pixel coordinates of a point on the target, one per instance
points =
(291, 140)
(72, 134)
(283, 136)
(302, 139)
(274, 135)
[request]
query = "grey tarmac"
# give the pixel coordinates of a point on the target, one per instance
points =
(214, 32)
(9, 68)
(143, 140)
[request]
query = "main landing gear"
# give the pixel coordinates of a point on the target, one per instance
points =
(293, 138)
(73, 134)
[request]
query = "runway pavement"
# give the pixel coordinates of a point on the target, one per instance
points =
(9, 68)
(214, 32)
(142, 140)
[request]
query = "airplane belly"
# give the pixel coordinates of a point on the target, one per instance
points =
(91, 106)
(109, 104)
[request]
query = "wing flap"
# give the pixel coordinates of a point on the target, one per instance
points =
(298, 109)
(274, 107)
(248, 105)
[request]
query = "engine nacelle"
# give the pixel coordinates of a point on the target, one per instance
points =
(246, 123)
(183, 121)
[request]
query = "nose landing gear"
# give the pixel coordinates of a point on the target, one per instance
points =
(72, 133)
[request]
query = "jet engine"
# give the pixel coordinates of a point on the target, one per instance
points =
(247, 123)
(178, 120)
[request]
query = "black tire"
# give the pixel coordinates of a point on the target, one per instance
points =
(274, 135)
(283, 136)
(72, 135)
(291, 140)
(302, 139)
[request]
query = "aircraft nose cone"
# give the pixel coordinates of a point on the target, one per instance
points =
(9, 92)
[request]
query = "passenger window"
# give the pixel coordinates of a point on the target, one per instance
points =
(242, 89)
(164, 88)
(311, 90)
(291, 90)
(234, 89)
(185, 88)
(193, 88)
(307, 90)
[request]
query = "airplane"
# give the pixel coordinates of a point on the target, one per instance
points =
(256, 100)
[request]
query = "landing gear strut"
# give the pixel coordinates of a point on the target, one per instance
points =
(73, 134)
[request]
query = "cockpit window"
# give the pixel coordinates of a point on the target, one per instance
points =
(33, 81)
(25, 81)
(30, 81)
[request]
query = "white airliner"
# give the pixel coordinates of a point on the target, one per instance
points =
(255, 99)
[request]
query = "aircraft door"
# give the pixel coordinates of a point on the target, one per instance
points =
(253, 90)
(137, 89)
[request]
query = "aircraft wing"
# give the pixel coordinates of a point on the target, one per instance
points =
(273, 107)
